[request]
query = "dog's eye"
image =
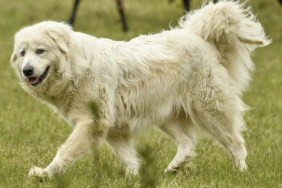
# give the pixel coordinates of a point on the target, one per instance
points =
(22, 53)
(39, 51)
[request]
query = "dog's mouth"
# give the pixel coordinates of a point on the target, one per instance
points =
(34, 81)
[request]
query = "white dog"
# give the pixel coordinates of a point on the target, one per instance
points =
(180, 80)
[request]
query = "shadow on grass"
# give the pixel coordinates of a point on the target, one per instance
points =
(61, 181)
(148, 176)
(104, 171)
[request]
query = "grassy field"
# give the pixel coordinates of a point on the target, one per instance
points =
(30, 133)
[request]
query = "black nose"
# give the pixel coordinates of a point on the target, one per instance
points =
(28, 70)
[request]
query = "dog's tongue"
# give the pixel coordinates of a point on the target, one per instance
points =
(33, 80)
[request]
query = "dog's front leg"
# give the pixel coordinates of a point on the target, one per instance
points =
(85, 136)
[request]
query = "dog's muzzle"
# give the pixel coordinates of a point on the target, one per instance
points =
(33, 80)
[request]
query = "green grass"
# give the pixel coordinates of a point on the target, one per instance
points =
(30, 133)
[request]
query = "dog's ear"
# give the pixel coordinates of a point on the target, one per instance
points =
(60, 35)
(14, 57)
(59, 40)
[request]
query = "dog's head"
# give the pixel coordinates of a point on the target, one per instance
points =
(39, 52)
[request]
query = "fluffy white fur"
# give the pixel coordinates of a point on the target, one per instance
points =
(188, 77)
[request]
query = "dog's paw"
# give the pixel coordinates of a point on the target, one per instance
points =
(38, 172)
(242, 166)
(174, 166)
(132, 170)
(171, 170)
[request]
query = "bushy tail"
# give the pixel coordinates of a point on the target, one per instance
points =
(234, 31)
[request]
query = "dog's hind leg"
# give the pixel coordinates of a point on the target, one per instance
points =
(182, 131)
(124, 149)
(222, 117)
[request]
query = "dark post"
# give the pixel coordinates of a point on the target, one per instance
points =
(73, 14)
(122, 15)
(186, 5)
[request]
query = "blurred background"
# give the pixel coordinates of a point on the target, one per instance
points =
(30, 133)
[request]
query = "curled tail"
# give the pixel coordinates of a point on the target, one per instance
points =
(234, 31)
